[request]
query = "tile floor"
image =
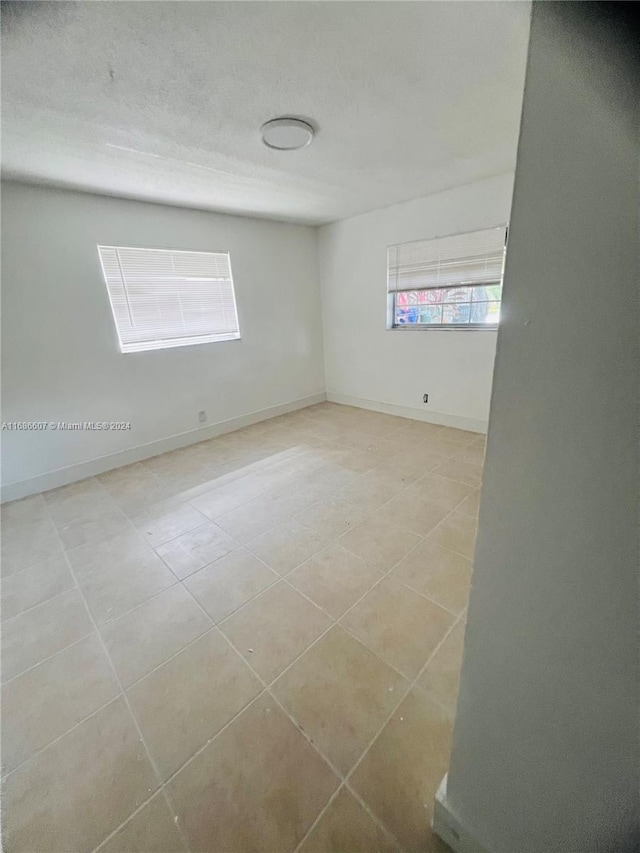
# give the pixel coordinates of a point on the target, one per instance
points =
(249, 644)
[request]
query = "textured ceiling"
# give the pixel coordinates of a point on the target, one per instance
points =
(163, 101)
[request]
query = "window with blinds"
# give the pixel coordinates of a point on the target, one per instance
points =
(165, 298)
(447, 283)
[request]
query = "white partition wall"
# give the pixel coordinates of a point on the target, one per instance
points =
(545, 752)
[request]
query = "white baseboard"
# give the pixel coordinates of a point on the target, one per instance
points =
(440, 418)
(91, 467)
(447, 826)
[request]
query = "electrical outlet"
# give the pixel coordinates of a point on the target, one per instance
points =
(425, 399)
(202, 417)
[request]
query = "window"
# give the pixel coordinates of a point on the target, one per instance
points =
(447, 283)
(165, 298)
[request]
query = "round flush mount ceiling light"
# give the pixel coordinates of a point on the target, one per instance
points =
(286, 134)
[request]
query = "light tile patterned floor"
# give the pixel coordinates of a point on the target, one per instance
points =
(249, 644)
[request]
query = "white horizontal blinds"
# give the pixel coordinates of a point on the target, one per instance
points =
(163, 298)
(474, 258)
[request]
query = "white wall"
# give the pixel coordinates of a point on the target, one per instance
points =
(545, 748)
(364, 361)
(61, 360)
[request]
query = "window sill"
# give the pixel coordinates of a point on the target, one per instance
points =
(462, 327)
(153, 346)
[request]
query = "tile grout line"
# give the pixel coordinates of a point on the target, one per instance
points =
(269, 468)
(267, 689)
(163, 784)
(234, 458)
(48, 658)
(5, 577)
(267, 491)
(98, 627)
(123, 694)
(34, 606)
(446, 548)
(128, 515)
(277, 580)
(424, 538)
(336, 620)
(347, 777)
(422, 595)
(246, 547)
(188, 645)
(374, 817)
(158, 792)
(209, 741)
(182, 503)
(131, 610)
(269, 685)
(55, 740)
(333, 621)
(413, 684)
(279, 577)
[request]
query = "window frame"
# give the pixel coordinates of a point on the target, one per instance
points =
(167, 343)
(392, 326)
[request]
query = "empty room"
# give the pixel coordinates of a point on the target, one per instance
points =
(313, 400)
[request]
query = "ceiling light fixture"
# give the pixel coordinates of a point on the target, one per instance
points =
(286, 134)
